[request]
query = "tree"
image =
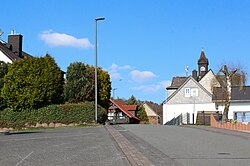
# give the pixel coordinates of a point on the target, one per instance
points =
(142, 114)
(80, 84)
(104, 88)
(141, 111)
(78, 87)
(3, 72)
(33, 83)
(231, 77)
(132, 100)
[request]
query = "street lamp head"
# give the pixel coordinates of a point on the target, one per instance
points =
(100, 18)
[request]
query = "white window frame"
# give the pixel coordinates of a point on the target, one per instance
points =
(194, 92)
(187, 92)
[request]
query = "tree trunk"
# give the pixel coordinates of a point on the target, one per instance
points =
(225, 113)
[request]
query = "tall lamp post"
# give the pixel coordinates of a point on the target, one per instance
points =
(114, 92)
(96, 95)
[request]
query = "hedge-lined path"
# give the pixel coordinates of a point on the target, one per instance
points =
(61, 146)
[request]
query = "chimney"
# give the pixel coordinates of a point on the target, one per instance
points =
(16, 41)
(194, 74)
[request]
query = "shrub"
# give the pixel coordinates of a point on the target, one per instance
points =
(66, 114)
(80, 85)
(33, 83)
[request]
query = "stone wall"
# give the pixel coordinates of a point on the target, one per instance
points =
(43, 125)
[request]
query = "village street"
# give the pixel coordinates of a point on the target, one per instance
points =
(62, 146)
(127, 145)
(190, 146)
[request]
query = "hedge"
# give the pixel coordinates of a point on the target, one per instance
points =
(65, 114)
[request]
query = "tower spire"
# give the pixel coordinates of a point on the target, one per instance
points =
(202, 64)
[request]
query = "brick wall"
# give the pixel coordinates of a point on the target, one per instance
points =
(229, 125)
(153, 119)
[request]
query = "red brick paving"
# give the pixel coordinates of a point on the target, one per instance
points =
(132, 154)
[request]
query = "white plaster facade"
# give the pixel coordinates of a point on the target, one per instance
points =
(236, 107)
(4, 58)
(171, 111)
(178, 103)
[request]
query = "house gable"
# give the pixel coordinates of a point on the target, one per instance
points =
(6, 54)
(12, 51)
(209, 81)
(4, 58)
(124, 109)
(149, 110)
(178, 97)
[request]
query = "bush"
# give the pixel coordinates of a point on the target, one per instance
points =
(80, 85)
(66, 114)
(33, 83)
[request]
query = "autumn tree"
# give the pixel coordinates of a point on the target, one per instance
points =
(80, 84)
(231, 76)
(32, 83)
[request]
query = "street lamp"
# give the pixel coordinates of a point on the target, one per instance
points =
(114, 92)
(96, 20)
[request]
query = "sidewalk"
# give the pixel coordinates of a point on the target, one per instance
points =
(133, 155)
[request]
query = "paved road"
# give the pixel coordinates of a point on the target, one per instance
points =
(64, 146)
(174, 145)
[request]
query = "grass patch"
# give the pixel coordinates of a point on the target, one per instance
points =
(51, 128)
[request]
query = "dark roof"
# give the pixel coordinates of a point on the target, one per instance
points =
(177, 82)
(5, 49)
(123, 108)
(203, 58)
(238, 94)
(26, 55)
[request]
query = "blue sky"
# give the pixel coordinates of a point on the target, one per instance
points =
(142, 43)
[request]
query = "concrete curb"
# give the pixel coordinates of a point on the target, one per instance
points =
(4, 133)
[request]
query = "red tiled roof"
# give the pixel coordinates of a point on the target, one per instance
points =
(130, 107)
(124, 108)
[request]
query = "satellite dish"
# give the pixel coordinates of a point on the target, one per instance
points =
(1, 32)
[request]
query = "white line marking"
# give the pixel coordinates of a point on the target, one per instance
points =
(46, 137)
(24, 158)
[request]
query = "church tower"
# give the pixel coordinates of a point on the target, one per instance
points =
(202, 65)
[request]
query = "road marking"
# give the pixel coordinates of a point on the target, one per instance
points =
(24, 158)
(36, 138)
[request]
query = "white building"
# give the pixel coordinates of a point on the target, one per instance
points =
(188, 96)
(12, 50)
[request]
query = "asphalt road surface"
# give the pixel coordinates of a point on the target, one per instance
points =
(64, 146)
(189, 146)
(159, 145)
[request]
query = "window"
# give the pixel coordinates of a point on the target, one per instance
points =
(203, 68)
(191, 92)
(187, 92)
(194, 92)
(242, 116)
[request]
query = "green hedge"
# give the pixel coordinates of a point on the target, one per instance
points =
(66, 114)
